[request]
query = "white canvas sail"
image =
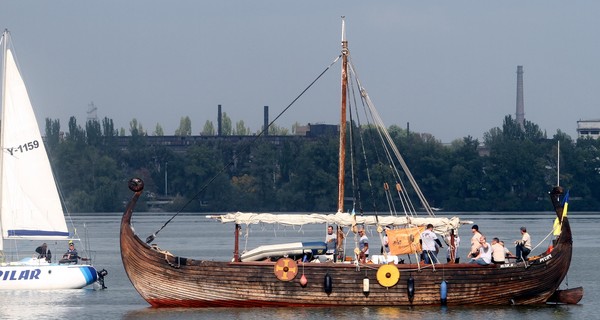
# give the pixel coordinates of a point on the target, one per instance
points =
(343, 219)
(30, 204)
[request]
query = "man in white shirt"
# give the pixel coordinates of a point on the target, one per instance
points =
(428, 241)
(363, 246)
(330, 240)
(498, 251)
(523, 247)
(485, 253)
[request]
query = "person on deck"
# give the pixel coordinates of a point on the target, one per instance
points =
(484, 257)
(340, 255)
(385, 245)
(44, 252)
(523, 246)
(330, 240)
(453, 249)
(507, 254)
(71, 255)
(363, 246)
(428, 242)
(498, 252)
(475, 243)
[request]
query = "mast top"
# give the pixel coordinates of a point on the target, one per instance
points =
(343, 29)
(344, 41)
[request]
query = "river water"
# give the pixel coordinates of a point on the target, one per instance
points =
(193, 235)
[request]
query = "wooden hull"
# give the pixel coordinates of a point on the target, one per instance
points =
(164, 280)
(568, 296)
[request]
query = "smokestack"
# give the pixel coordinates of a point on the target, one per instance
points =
(219, 121)
(520, 116)
(266, 120)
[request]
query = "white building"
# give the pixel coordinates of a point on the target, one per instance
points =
(588, 128)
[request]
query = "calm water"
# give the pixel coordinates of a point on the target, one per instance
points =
(195, 236)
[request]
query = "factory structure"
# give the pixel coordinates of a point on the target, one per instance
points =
(585, 128)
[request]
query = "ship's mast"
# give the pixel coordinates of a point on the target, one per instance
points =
(4, 39)
(558, 163)
(342, 155)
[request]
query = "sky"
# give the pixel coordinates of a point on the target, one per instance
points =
(447, 68)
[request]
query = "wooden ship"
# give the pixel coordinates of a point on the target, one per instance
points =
(164, 279)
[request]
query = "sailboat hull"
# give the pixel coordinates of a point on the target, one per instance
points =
(46, 276)
(165, 280)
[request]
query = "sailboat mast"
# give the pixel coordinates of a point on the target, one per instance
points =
(342, 155)
(4, 40)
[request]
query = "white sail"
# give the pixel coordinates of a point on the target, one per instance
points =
(30, 204)
(441, 225)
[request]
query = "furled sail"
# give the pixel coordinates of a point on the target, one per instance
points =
(441, 225)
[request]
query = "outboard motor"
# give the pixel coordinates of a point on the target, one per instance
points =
(101, 274)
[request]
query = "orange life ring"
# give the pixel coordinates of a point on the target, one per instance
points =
(285, 269)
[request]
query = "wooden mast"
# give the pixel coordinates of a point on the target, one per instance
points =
(342, 153)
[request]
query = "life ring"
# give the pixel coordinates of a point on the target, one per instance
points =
(388, 275)
(285, 269)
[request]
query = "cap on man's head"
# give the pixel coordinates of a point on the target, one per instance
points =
(476, 227)
(523, 229)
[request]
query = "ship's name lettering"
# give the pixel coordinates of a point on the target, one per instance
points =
(29, 274)
(28, 146)
(546, 258)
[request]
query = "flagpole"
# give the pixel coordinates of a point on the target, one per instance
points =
(558, 164)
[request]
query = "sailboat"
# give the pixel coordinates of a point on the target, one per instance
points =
(275, 276)
(30, 206)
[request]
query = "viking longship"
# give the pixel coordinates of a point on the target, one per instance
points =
(281, 276)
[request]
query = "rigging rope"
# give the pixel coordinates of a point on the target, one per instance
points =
(243, 151)
(385, 136)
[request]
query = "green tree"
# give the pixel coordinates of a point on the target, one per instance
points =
(276, 130)
(185, 127)
(226, 128)
(136, 128)
(158, 130)
(93, 133)
(516, 167)
(52, 133)
(208, 129)
(241, 129)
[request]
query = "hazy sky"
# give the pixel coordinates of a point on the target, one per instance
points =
(446, 67)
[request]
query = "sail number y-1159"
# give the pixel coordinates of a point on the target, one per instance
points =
(24, 147)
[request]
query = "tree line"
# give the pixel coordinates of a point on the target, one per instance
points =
(511, 169)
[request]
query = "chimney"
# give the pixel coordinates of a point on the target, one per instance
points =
(520, 115)
(266, 120)
(219, 121)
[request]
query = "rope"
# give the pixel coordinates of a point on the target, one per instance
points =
(543, 240)
(243, 151)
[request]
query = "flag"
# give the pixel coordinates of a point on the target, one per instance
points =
(566, 198)
(565, 203)
(404, 241)
(558, 222)
(556, 227)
